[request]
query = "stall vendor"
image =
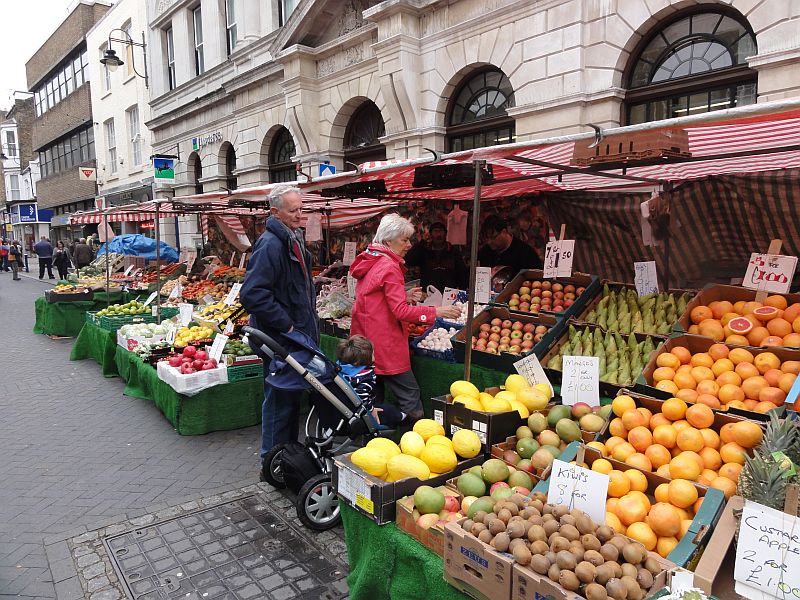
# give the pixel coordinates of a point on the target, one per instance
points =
(440, 264)
(503, 248)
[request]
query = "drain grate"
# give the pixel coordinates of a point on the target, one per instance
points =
(237, 550)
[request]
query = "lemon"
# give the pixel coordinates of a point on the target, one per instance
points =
(463, 387)
(412, 443)
(428, 428)
(388, 447)
(466, 443)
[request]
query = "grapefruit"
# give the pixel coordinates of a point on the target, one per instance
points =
(700, 314)
(779, 327)
(776, 301)
(740, 326)
(765, 313)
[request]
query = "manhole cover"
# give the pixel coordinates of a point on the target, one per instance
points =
(237, 550)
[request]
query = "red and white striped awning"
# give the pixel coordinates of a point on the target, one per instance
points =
(122, 217)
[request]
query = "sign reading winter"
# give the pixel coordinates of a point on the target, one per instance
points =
(164, 169)
(771, 273)
(558, 258)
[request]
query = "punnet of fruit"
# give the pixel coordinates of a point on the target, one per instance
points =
(544, 295)
(505, 335)
(134, 307)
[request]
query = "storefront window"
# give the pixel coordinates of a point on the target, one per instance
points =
(477, 115)
(363, 133)
(281, 167)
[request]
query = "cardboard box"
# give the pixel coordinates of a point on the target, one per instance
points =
(489, 427)
(719, 554)
(375, 498)
(505, 361)
(78, 296)
(433, 537)
(475, 568)
(591, 283)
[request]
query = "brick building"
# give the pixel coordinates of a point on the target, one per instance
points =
(63, 136)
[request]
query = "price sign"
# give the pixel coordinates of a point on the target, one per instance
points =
(313, 228)
(208, 299)
(228, 328)
(558, 258)
(771, 273)
(242, 259)
(483, 284)
(531, 369)
(150, 298)
(154, 310)
(170, 337)
(233, 257)
(450, 295)
(218, 346)
(349, 252)
(767, 554)
(176, 291)
(351, 286)
(233, 294)
(581, 380)
(192, 256)
(576, 487)
(128, 270)
(645, 277)
(184, 255)
(185, 313)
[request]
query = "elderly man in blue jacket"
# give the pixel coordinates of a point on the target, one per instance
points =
(278, 292)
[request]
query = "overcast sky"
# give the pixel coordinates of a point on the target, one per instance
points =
(24, 27)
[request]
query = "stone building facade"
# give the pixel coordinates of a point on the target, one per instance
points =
(350, 81)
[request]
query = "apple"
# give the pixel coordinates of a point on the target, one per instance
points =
(484, 335)
(527, 344)
(495, 337)
(496, 322)
(506, 324)
(492, 345)
(525, 306)
(496, 329)
(492, 350)
(557, 287)
(536, 284)
(175, 361)
(558, 308)
(538, 338)
(536, 300)
(536, 293)
(505, 340)
(546, 285)
(579, 291)
(568, 303)
(516, 334)
(569, 288)
(427, 521)
(467, 502)
(451, 504)
(524, 290)
(525, 298)
(485, 327)
(197, 364)
(503, 348)
(526, 283)
(514, 302)
(528, 335)
(505, 332)
(547, 294)
(558, 295)
(189, 351)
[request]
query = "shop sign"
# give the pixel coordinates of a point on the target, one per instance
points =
(206, 140)
(87, 174)
(24, 213)
(9, 228)
(164, 170)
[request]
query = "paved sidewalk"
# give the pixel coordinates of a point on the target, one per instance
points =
(75, 452)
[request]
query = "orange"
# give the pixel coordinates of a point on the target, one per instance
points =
(772, 394)
(640, 438)
(601, 465)
(641, 532)
(685, 514)
(682, 353)
(682, 493)
(706, 477)
(779, 327)
(737, 404)
(710, 438)
(791, 366)
(687, 395)
(611, 504)
(613, 521)
(599, 446)
(640, 461)
(684, 381)
(684, 467)
(746, 371)
(667, 386)
(738, 307)
(618, 484)
(739, 355)
(749, 404)
(700, 314)
(663, 471)
(681, 424)
(709, 400)
(633, 419)
(707, 386)
(615, 427)
(731, 471)
(690, 439)
(612, 443)
(720, 308)
(665, 545)
(623, 403)
(736, 339)
(730, 392)
(658, 455)
(722, 365)
(724, 484)
(757, 335)
(732, 453)
(792, 340)
(661, 493)
(776, 301)
(696, 506)
(665, 435)
(646, 412)
(622, 451)
(726, 433)
(658, 419)
(766, 361)
(631, 509)
(702, 373)
(771, 340)
(786, 381)
(685, 525)
(662, 373)
(718, 351)
(665, 359)
(637, 480)
(747, 434)
(791, 313)
(796, 325)
(699, 416)
(773, 376)
(702, 359)
(673, 409)
(764, 407)
(753, 385)
(713, 329)
(711, 458)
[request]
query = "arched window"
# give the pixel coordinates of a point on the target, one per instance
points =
(195, 172)
(281, 167)
(363, 133)
(477, 115)
(693, 63)
(231, 181)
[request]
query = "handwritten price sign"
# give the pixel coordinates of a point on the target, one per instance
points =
(770, 273)
(558, 258)
(576, 487)
(581, 380)
(645, 277)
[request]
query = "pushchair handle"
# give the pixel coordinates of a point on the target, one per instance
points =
(264, 340)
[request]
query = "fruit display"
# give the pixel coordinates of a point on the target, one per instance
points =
(725, 377)
(151, 275)
(226, 274)
(623, 310)
(194, 333)
(146, 330)
(237, 348)
(438, 339)
(195, 290)
(514, 337)
(544, 295)
(134, 307)
(167, 288)
(494, 478)
(434, 506)
(772, 323)
(565, 545)
(423, 453)
(218, 311)
(146, 350)
(192, 360)
(680, 442)
(517, 395)
(622, 358)
(67, 288)
(415, 330)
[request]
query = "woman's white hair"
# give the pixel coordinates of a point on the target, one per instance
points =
(278, 192)
(391, 227)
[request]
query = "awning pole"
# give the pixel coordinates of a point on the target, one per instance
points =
(158, 261)
(108, 267)
(473, 259)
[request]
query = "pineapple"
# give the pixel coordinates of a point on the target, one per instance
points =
(762, 480)
(781, 436)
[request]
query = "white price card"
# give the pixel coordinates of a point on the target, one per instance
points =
(176, 291)
(767, 554)
(313, 231)
(771, 273)
(576, 487)
(558, 258)
(218, 346)
(450, 295)
(580, 381)
(128, 270)
(350, 249)
(233, 295)
(208, 299)
(228, 328)
(531, 369)
(483, 284)
(351, 286)
(233, 258)
(192, 256)
(170, 337)
(184, 255)
(645, 277)
(150, 298)
(185, 313)
(154, 310)
(242, 259)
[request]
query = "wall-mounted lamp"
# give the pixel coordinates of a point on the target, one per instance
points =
(112, 61)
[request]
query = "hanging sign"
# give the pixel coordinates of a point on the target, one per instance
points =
(163, 170)
(185, 313)
(645, 277)
(218, 346)
(192, 256)
(351, 286)
(87, 174)
(483, 284)
(771, 273)
(580, 381)
(313, 229)
(228, 328)
(531, 369)
(576, 487)
(558, 258)
(233, 295)
(350, 249)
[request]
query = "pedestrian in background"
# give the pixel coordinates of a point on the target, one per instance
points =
(83, 254)
(44, 250)
(62, 260)
(4, 247)
(15, 259)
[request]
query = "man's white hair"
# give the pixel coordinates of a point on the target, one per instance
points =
(391, 227)
(278, 192)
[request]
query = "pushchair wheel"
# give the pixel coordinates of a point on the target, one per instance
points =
(317, 505)
(271, 468)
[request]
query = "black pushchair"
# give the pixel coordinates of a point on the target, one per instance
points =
(337, 418)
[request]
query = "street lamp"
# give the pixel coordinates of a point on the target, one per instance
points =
(112, 61)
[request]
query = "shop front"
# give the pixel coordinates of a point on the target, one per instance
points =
(28, 223)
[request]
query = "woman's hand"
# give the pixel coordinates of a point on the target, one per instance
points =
(414, 294)
(448, 312)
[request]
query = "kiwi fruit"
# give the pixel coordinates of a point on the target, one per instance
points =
(586, 572)
(548, 509)
(477, 528)
(566, 560)
(511, 507)
(590, 542)
(595, 591)
(568, 580)
(634, 591)
(517, 499)
(558, 543)
(516, 529)
(467, 524)
(514, 543)
(570, 532)
(550, 556)
(504, 515)
(567, 520)
(539, 547)
(548, 517)
(644, 578)
(619, 541)
(521, 554)
(537, 533)
(577, 551)
(529, 512)
(536, 520)
(496, 526)
(617, 568)
(616, 589)
(540, 564)
(609, 552)
(559, 511)
(585, 524)
(485, 536)
(550, 527)
(628, 570)
(501, 542)
(553, 572)
(604, 533)
(651, 564)
(604, 573)
(634, 553)
(479, 516)
(537, 504)
(594, 557)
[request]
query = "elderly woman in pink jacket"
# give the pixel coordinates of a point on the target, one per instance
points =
(383, 308)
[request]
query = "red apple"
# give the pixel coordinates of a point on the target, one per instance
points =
(201, 355)
(506, 324)
(175, 361)
(528, 327)
(189, 351)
